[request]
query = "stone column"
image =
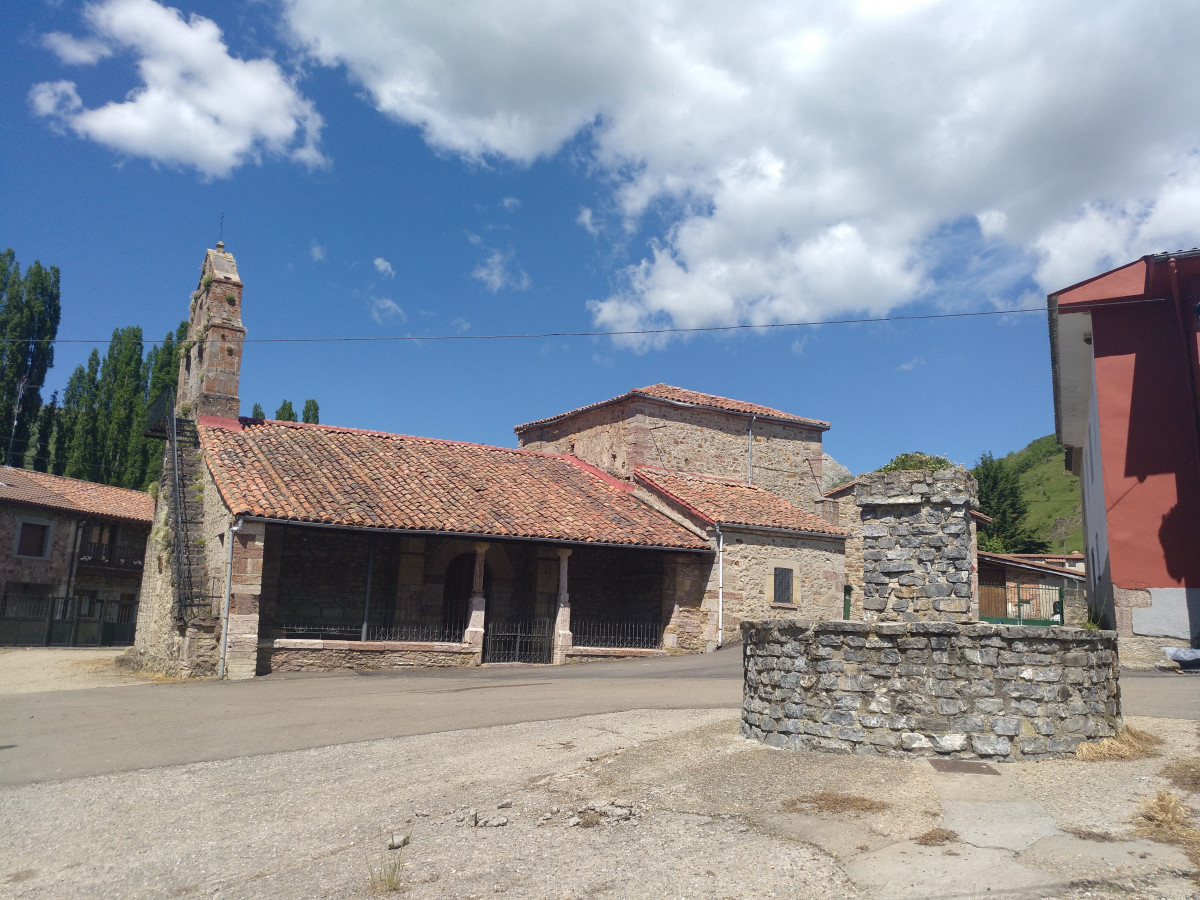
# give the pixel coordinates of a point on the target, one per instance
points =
(473, 637)
(562, 619)
(241, 651)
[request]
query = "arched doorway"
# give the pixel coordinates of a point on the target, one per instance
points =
(456, 592)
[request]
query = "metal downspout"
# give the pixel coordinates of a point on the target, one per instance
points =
(750, 452)
(720, 587)
(234, 529)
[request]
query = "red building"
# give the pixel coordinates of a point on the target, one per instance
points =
(1126, 361)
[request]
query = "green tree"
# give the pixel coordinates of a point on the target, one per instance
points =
(312, 412)
(285, 413)
(80, 420)
(30, 310)
(915, 460)
(121, 405)
(257, 412)
(47, 420)
(1000, 499)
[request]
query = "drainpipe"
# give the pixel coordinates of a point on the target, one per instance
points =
(234, 529)
(720, 586)
(750, 453)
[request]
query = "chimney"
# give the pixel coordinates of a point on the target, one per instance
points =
(210, 360)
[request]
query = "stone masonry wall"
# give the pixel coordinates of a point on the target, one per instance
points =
(54, 571)
(849, 517)
(918, 544)
(640, 432)
(929, 688)
(328, 656)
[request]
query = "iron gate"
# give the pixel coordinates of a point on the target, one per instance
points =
(27, 621)
(527, 641)
(1021, 604)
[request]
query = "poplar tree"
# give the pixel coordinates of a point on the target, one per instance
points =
(47, 420)
(285, 413)
(80, 421)
(312, 412)
(257, 412)
(121, 407)
(30, 310)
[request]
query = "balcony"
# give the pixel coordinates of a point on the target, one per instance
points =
(127, 557)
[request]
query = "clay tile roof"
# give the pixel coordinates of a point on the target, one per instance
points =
(1014, 559)
(691, 398)
(368, 479)
(28, 488)
(725, 501)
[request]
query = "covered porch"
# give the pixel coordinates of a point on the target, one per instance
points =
(336, 598)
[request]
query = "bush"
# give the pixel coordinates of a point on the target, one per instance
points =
(916, 460)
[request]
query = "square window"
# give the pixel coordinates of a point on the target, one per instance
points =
(783, 586)
(32, 540)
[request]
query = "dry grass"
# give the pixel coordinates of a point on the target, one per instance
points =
(1090, 834)
(1184, 774)
(1126, 744)
(935, 837)
(1166, 819)
(833, 802)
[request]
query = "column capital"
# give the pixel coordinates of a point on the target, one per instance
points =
(480, 546)
(563, 552)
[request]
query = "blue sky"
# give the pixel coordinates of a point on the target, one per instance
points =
(421, 170)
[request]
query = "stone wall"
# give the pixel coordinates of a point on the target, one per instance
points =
(54, 570)
(329, 656)
(918, 544)
(641, 432)
(929, 688)
(841, 510)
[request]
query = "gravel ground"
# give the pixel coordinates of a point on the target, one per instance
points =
(25, 670)
(639, 804)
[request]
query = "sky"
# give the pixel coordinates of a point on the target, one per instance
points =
(422, 176)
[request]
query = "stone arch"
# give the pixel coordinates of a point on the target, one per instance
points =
(496, 559)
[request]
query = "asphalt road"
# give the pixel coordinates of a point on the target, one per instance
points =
(70, 734)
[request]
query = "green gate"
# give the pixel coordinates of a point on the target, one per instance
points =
(1021, 604)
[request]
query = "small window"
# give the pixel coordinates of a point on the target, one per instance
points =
(33, 539)
(783, 586)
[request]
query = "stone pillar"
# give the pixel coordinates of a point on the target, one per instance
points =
(918, 545)
(562, 619)
(473, 637)
(245, 589)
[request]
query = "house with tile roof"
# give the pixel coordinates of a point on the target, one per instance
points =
(297, 546)
(71, 557)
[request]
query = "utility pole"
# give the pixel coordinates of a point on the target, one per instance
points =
(22, 385)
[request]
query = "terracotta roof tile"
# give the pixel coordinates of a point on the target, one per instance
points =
(728, 502)
(340, 476)
(692, 398)
(29, 488)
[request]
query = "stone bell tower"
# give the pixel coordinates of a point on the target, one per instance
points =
(210, 361)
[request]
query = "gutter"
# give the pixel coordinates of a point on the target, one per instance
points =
(233, 529)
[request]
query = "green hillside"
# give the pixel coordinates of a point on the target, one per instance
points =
(1055, 510)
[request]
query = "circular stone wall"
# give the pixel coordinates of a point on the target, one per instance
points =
(1001, 692)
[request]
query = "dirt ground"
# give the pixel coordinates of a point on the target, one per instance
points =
(31, 669)
(634, 804)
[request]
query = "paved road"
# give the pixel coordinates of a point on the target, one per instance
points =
(70, 734)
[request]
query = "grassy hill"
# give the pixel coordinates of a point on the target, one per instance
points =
(1055, 504)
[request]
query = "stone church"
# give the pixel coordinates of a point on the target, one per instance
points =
(649, 523)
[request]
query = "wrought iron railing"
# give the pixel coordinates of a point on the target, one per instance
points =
(529, 641)
(114, 556)
(1033, 604)
(352, 631)
(38, 621)
(630, 634)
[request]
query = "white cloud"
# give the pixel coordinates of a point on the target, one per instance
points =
(810, 160)
(317, 251)
(499, 269)
(383, 267)
(510, 204)
(459, 324)
(911, 364)
(197, 105)
(384, 310)
(586, 221)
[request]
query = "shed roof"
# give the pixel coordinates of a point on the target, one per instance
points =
(54, 492)
(368, 479)
(725, 501)
(1017, 561)
(685, 397)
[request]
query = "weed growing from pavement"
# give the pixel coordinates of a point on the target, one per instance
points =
(1126, 744)
(1166, 819)
(385, 876)
(833, 802)
(935, 837)
(1184, 774)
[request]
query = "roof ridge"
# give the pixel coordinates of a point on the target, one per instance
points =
(700, 476)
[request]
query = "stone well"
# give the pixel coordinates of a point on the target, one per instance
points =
(967, 691)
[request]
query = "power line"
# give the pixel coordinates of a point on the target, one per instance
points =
(866, 320)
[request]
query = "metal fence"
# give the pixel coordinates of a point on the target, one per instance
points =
(528, 641)
(1023, 604)
(645, 634)
(32, 621)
